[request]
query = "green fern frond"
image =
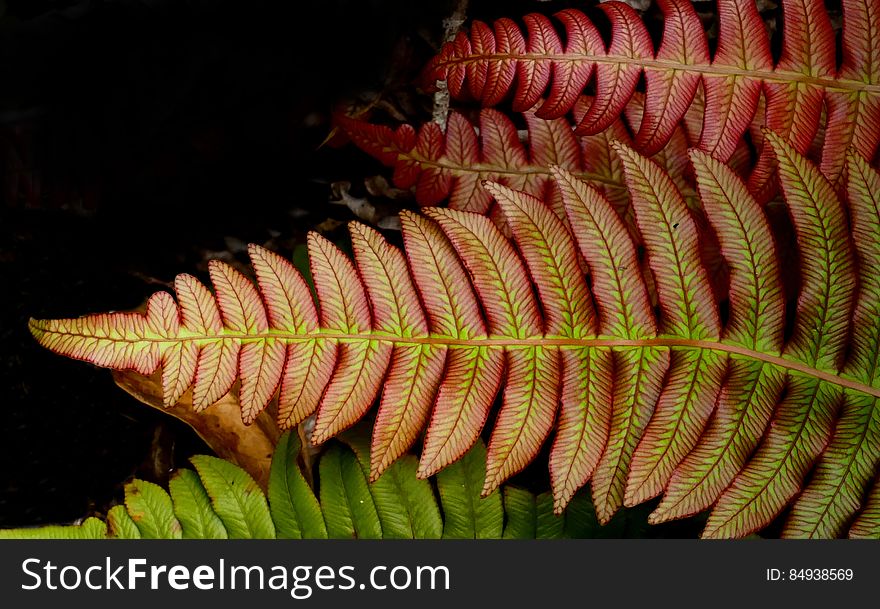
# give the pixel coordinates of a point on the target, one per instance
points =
(220, 500)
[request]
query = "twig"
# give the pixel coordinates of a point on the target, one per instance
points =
(451, 27)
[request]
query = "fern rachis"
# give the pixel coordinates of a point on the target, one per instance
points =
(730, 417)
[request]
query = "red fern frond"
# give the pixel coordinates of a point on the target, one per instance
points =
(449, 167)
(452, 165)
(490, 62)
(741, 417)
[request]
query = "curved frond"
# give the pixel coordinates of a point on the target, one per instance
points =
(449, 167)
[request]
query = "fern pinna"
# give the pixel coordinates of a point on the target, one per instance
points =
(730, 412)
(803, 89)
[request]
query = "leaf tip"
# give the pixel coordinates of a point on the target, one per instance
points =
(777, 143)
(559, 505)
(710, 533)
(560, 174)
(490, 485)
(249, 416)
(698, 156)
(435, 213)
(319, 436)
(622, 149)
(168, 400)
(427, 468)
(658, 516)
(255, 250)
(379, 462)
(37, 328)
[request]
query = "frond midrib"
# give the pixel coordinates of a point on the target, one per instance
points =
(508, 342)
(769, 76)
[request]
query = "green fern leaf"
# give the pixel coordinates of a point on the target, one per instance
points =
(548, 524)
(521, 517)
(581, 521)
(121, 525)
(578, 521)
(193, 508)
(468, 515)
(295, 509)
(398, 505)
(535, 517)
(849, 462)
(151, 510)
(349, 510)
(91, 528)
(236, 499)
(406, 505)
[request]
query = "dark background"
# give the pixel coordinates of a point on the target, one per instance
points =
(138, 139)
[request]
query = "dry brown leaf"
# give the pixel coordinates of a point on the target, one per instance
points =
(220, 426)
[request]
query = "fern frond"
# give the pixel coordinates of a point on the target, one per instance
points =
(449, 167)
(452, 165)
(490, 62)
(650, 401)
(219, 497)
